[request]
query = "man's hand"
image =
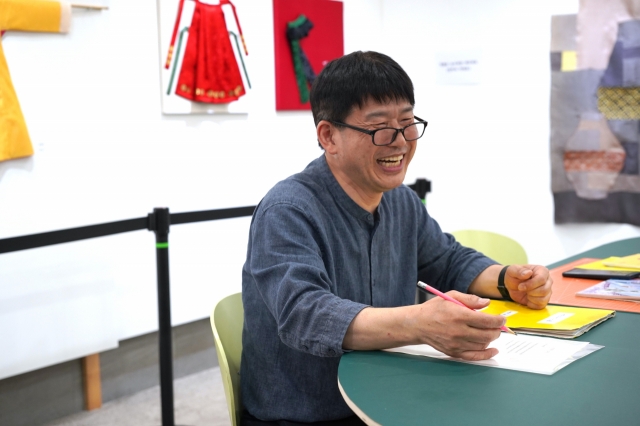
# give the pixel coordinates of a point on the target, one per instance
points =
(529, 285)
(457, 331)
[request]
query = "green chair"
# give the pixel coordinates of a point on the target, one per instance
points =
(227, 320)
(496, 246)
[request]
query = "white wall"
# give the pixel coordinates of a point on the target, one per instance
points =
(486, 149)
(104, 152)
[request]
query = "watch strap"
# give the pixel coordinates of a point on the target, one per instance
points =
(504, 292)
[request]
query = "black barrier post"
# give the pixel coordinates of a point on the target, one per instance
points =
(421, 187)
(159, 222)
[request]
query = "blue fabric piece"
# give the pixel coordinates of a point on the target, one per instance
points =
(315, 259)
(613, 74)
(556, 61)
(632, 52)
(631, 161)
(623, 69)
(629, 33)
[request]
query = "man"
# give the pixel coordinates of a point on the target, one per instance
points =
(335, 252)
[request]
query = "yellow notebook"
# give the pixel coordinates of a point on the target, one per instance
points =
(566, 322)
(627, 262)
(609, 263)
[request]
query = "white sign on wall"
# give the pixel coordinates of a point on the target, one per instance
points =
(458, 68)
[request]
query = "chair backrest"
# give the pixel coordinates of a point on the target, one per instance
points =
(496, 246)
(227, 320)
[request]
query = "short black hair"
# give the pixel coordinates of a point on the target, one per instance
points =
(354, 79)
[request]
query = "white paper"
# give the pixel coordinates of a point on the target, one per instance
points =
(459, 67)
(533, 354)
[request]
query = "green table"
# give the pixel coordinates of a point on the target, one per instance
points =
(601, 389)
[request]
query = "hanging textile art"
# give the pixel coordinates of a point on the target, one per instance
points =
(209, 71)
(595, 113)
(296, 31)
(307, 35)
(23, 15)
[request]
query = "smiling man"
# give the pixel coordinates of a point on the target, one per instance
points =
(335, 252)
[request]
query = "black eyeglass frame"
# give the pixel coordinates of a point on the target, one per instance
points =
(373, 132)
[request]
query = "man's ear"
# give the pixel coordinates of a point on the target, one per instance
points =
(326, 136)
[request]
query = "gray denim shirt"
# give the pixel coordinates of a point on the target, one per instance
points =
(315, 259)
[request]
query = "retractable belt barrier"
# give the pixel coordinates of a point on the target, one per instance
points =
(159, 222)
(25, 242)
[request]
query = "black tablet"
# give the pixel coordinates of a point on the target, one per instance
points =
(597, 274)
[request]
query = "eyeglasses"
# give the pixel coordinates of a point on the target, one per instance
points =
(386, 135)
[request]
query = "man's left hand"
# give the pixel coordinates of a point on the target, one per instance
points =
(529, 285)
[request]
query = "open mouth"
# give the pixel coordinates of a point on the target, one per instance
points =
(391, 162)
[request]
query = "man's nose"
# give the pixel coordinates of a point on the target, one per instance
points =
(399, 139)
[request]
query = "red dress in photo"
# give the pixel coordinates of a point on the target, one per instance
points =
(209, 71)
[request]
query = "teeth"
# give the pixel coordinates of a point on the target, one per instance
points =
(392, 161)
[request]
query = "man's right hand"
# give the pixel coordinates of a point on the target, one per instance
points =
(455, 330)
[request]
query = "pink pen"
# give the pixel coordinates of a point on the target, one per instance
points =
(430, 289)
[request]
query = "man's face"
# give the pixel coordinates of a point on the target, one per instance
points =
(367, 169)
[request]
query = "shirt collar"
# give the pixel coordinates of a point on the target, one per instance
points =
(339, 194)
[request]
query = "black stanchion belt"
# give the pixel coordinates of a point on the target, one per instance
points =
(104, 229)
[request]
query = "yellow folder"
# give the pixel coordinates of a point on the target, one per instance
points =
(614, 263)
(627, 262)
(557, 321)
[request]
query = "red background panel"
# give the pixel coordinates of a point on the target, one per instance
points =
(324, 43)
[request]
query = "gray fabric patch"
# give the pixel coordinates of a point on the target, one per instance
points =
(572, 94)
(632, 160)
(584, 140)
(613, 75)
(556, 61)
(629, 33)
(631, 72)
(632, 52)
(618, 207)
(625, 130)
(584, 186)
(563, 32)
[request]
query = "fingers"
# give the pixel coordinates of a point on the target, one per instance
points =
(473, 345)
(526, 277)
(470, 300)
(517, 276)
(457, 330)
(473, 319)
(540, 296)
(478, 355)
(529, 284)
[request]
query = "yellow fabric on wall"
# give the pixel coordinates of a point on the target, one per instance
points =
(22, 15)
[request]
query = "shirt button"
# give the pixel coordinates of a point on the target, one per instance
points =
(306, 349)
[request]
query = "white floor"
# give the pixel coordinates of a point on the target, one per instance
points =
(198, 400)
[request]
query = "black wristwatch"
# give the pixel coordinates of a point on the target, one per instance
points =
(501, 287)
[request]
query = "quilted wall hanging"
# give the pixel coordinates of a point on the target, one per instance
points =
(595, 113)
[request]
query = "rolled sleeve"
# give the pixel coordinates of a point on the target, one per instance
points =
(330, 340)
